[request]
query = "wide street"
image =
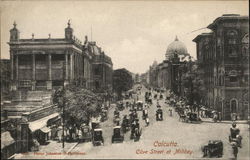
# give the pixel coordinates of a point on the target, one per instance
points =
(179, 135)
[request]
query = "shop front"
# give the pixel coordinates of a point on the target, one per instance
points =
(41, 129)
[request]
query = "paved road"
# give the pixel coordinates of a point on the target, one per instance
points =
(187, 137)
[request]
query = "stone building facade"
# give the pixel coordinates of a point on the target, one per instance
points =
(206, 61)
(167, 74)
(44, 64)
(101, 68)
(228, 47)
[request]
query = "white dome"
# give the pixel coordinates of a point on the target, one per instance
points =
(176, 47)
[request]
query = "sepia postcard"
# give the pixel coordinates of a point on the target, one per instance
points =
(139, 79)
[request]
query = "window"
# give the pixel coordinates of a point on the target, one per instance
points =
(233, 106)
(232, 52)
(25, 83)
(245, 51)
(232, 37)
(233, 79)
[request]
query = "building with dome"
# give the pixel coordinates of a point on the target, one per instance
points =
(166, 75)
(176, 47)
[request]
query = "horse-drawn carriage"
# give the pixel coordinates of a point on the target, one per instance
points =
(159, 115)
(86, 133)
(117, 134)
(139, 105)
(189, 117)
(104, 115)
(125, 124)
(214, 148)
(97, 137)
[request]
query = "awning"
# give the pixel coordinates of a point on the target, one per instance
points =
(6, 139)
(45, 130)
(41, 123)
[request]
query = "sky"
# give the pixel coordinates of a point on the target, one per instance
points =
(132, 33)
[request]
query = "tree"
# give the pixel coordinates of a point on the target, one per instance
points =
(122, 81)
(79, 104)
(194, 84)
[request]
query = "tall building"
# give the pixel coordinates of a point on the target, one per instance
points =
(226, 51)
(206, 61)
(101, 73)
(42, 64)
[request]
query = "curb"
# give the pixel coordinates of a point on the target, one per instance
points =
(225, 122)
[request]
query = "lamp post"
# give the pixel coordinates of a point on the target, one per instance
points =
(63, 116)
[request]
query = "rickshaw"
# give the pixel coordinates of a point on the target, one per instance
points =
(117, 135)
(159, 115)
(214, 148)
(137, 134)
(139, 105)
(125, 125)
(86, 134)
(104, 115)
(97, 137)
(155, 96)
(95, 124)
(235, 136)
(120, 106)
(144, 114)
(161, 96)
(192, 117)
(116, 119)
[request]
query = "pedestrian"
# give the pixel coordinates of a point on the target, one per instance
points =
(219, 116)
(170, 112)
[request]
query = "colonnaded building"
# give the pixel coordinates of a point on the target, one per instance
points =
(38, 66)
(43, 64)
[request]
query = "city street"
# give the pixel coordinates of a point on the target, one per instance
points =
(189, 137)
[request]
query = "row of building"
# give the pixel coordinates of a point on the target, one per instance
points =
(36, 68)
(222, 58)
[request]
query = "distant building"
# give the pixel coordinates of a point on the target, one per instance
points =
(101, 69)
(224, 57)
(167, 75)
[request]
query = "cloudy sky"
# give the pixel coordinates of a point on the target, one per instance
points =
(133, 34)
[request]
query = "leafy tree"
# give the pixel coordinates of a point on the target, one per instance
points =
(79, 104)
(122, 81)
(194, 84)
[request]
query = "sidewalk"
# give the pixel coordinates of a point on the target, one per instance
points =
(51, 151)
(210, 120)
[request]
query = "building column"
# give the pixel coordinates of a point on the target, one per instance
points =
(13, 83)
(17, 67)
(49, 82)
(71, 67)
(12, 65)
(66, 70)
(33, 72)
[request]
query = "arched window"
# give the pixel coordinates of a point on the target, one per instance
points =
(245, 51)
(233, 76)
(232, 37)
(233, 106)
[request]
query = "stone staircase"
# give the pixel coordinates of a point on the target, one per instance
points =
(28, 101)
